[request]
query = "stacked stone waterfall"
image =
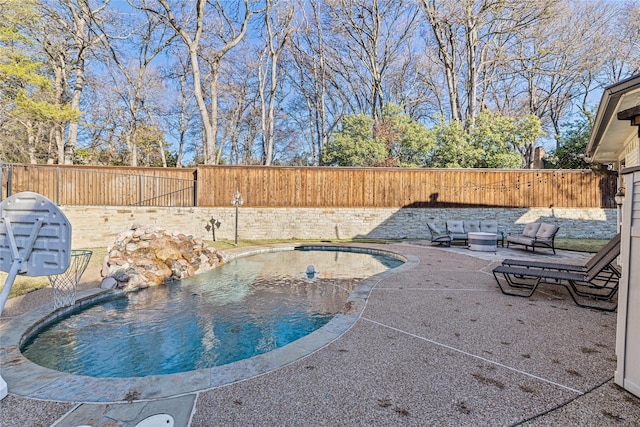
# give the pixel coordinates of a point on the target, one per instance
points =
(146, 255)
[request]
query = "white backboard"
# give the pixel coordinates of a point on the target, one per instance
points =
(21, 215)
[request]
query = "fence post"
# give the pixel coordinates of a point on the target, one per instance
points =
(9, 179)
(139, 190)
(195, 190)
(58, 186)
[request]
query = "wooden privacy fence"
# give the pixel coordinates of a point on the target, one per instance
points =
(396, 188)
(109, 186)
(321, 187)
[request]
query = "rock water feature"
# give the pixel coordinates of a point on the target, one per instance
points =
(146, 256)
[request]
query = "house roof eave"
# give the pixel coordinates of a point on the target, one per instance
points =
(606, 121)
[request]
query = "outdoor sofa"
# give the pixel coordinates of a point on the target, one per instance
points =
(459, 230)
(535, 234)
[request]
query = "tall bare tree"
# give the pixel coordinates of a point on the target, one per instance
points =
(277, 20)
(181, 115)
(134, 79)
(272, 85)
(240, 108)
(467, 35)
(372, 34)
(309, 74)
(209, 30)
(552, 67)
(620, 41)
(73, 21)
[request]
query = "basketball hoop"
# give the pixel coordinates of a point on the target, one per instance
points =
(65, 285)
(35, 240)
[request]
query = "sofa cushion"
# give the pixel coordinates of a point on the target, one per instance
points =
(471, 226)
(531, 229)
(521, 240)
(455, 226)
(489, 226)
(546, 231)
(458, 236)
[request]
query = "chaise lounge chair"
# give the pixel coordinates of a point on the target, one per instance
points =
(610, 269)
(594, 287)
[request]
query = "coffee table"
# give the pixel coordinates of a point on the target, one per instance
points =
(481, 241)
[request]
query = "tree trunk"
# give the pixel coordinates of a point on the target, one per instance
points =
(212, 145)
(208, 140)
(182, 126)
(58, 137)
(445, 38)
(31, 141)
(472, 65)
(129, 140)
(74, 125)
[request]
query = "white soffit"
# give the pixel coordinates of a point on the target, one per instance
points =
(609, 134)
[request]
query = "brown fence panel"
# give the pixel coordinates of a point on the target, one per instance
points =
(94, 185)
(25, 178)
(386, 187)
(312, 186)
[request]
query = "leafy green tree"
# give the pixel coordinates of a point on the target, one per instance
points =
(171, 159)
(453, 148)
(493, 141)
(573, 144)
(408, 143)
(528, 130)
(151, 145)
(499, 139)
(28, 98)
(12, 43)
(34, 105)
(393, 140)
(354, 144)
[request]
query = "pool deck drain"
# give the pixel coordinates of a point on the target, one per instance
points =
(432, 342)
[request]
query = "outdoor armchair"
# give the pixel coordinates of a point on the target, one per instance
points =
(441, 238)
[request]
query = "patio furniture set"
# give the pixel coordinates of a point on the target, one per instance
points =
(482, 235)
(592, 285)
(485, 235)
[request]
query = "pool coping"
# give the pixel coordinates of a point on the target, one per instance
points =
(27, 379)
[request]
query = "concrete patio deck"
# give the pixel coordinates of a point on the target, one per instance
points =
(437, 343)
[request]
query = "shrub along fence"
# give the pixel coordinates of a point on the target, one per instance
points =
(310, 187)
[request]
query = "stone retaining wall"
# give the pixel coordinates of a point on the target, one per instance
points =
(94, 226)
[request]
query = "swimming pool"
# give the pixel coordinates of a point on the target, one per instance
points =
(250, 306)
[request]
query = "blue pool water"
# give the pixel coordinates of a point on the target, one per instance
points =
(244, 308)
